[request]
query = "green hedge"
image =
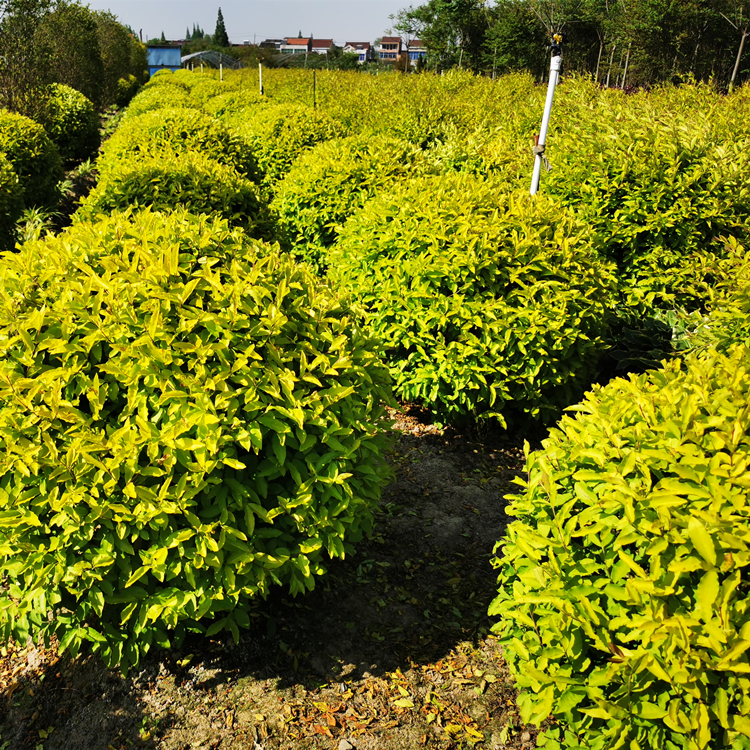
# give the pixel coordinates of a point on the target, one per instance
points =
(331, 181)
(161, 95)
(656, 176)
(11, 203)
(72, 124)
(190, 181)
(176, 131)
(488, 304)
(233, 104)
(188, 419)
(278, 133)
(623, 608)
(33, 156)
(204, 89)
(728, 318)
(127, 88)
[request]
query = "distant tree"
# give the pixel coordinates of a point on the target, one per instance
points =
(220, 35)
(187, 34)
(402, 64)
(138, 65)
(452, 30)
(348, 61)
(337, 59)
(515, 40)
(162, 38)
(122, 54)
(71, 36)
(556, 14)
(25, 61)
(738, 16)
(252, 54)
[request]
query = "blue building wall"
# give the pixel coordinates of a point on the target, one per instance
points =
(163, 57)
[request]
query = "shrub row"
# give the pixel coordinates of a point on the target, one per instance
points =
(33, 154)
(179, 157)
(72, 124)
(654, 202)
(278, 134)
(622, 602)
(34, 158)
(488, 304)
(332, 181)
(189, 418)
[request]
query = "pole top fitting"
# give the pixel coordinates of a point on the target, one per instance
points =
(555, 46)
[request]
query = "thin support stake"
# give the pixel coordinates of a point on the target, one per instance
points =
(260, 78)
(554, 76)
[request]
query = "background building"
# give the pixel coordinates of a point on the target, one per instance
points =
(363, 49)
(390, 48)
(163, 56)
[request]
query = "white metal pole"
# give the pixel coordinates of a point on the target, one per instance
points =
(554, 75)
(221, 72)
(260, 78)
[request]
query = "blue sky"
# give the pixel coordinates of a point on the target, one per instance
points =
(342, 20)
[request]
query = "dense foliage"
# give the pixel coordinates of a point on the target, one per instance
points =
(188, 419)
(488, 304)
(153, 97)
(622, 597)
(72, 124)
(11, 203)
(641, 41)
(177, 130)
(59, 41)
(70, 35)
(663, 194)
(430, 261)
(191, 181)
(33, 156)
(332, 181)
(662, 185)
(277, 135)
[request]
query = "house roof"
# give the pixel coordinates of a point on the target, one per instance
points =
(293, 40)
(416, 43)
(358, 45)
(391, 40)
(322, 43)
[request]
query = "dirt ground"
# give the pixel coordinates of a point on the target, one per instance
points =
(391, 651)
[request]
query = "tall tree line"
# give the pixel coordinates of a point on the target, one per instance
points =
(62, 41)
(619, 42)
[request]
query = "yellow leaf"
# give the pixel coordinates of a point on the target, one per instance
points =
(704, 733)
(403, 703)
(702, 541)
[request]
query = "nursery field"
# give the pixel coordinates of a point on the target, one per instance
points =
(321, 432)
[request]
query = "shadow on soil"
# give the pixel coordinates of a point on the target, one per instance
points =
(417, 588)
